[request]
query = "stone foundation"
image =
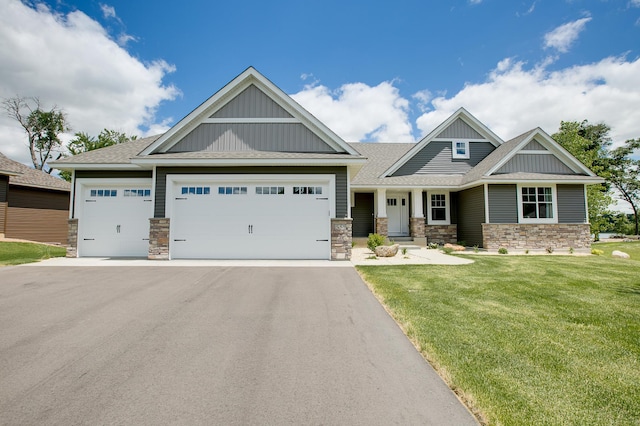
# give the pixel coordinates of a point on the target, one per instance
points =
(416, 226)
(341, 237)
(159, 239)
(382, 225)
(441, 234)
(72, 238)
(519, 236)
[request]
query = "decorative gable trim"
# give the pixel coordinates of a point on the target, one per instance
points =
(209, 109)
(538, 142)
(466, 118)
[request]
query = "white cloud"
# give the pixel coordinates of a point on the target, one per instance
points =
(565, 35)
(515, 99)
(108, 11)
(634, 3)
(71, 61)
(358, 112)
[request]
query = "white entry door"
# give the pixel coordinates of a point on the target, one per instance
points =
(398, 215)
(278, 218)
(113, 220)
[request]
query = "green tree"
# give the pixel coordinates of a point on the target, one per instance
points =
(624, 175)
(589, 143)
(82, 142)
(43, 128)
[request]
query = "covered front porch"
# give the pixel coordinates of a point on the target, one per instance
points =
(419, 215)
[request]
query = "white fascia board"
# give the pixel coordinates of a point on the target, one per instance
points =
(96, 166)
(585, 181)
(460, 113)
(228, 162)
(404, 187)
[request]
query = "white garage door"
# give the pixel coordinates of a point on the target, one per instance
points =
(114, 220)
(246, 219)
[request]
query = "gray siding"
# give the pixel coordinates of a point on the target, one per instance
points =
(251, 103)
(435, 158)
(534, 145)
(4, 188)
(339, 172)
(234, 137)
(471, 215)
(535, 163)
(460, 130)
(503, 204)
(571, 204)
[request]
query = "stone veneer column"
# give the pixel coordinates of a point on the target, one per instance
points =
(417, 227)
(159, 238)
(442, 234)
(72, 238)
(382, 226)
(341, 238)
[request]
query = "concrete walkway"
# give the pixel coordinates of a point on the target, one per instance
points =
(360, 256)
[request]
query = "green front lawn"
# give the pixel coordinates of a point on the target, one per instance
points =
(528, 339)
(14, 253)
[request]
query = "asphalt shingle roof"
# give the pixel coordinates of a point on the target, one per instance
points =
(26, 176)
(115, 154)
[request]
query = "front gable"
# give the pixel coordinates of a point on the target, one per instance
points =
(454, 147)
(249, 114)
(538, 153)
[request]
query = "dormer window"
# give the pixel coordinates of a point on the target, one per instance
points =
(460, 149)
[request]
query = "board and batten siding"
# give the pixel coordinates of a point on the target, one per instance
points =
(571, 204)
(251, 103)
(238, 137)
(534, 145)
(4, 188)
(362, 214)
(339, 172)
(471, 215)
(459, 130)
(535, 163)
(503, 204)
(435, 158)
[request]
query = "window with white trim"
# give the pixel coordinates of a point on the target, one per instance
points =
(460, 149)
(194, 190)
(232, 190)
(438, 209)
(270, 190)
(103, 193)
(311, 190)
(536, 204)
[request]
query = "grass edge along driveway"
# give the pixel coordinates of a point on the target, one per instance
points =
(16, 253)
(527, 339)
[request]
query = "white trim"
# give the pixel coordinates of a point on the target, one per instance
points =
(554, 203)
(72, 195)
(229, 162)
(447, 206)
(250, 120)
(535, 152)
(349, 201)
(487, 219)
(416, 205)
(454, 149)
(96, 166)
(381, 202)
(586, 204)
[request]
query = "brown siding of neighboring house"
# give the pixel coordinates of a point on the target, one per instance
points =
(3, 217)
(37, 214)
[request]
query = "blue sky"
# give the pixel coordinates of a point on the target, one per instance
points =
(372, 71)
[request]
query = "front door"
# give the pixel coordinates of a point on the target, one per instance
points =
(398, 215)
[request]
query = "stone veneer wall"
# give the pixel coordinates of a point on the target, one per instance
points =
(382, 226)
(519, 236)
(341, 237)
(159, 238)
(441, 234)
(72, 238)
(417, 227)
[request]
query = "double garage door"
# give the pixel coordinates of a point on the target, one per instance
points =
(214, 217)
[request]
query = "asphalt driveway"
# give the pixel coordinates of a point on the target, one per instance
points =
(208, 345)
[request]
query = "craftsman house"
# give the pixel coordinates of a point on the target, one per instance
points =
(251, 174)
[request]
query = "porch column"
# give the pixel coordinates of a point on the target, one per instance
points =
(382, 224)
(416, 222)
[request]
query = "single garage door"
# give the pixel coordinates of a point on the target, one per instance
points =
(279, 218)
(114, 220)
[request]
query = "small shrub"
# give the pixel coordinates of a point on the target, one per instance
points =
(526, 251)
(503, 250)
(353, 244)
(462, 243)
(549, 249)
(447, 250)
(433, 246)
(571, 250)
(372, 257)
(404, 251)
(375, 240)
(597, 252)
(476, 249)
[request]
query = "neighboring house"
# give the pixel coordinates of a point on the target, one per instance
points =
(33, 205)
(252, 174)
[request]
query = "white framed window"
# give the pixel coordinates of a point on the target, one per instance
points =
(460, 149)
(438, 208)
(537, 204)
